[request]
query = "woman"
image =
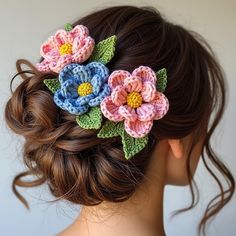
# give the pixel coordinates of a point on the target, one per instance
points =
(120, 195)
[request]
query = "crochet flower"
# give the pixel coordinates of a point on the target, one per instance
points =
(65, 47)
(82, 86)
(134, 99)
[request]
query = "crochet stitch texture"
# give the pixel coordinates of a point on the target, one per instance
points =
(134, 99)
(129, 101)
(66, 47)
(82, 86)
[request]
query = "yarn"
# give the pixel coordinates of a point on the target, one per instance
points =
(81, 87)
(66, 47)
(130, 101)
(135, 100)
(52, 84)
(111, 129)
(131, 146)
(85, 89)
(68, 27)
(161, 79)
(104, 50)
(91, 119)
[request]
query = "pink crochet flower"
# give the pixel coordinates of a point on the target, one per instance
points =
(66, 47)
(134, 99)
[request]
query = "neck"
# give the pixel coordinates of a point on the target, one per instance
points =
(143, 212)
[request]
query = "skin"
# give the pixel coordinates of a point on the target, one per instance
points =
(142, 214)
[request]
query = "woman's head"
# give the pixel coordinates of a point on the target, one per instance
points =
(84, 169)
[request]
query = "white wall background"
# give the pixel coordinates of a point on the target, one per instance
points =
(25, 25)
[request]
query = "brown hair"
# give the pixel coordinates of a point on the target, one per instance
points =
(87, 170)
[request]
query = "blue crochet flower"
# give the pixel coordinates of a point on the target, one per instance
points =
(82, 86)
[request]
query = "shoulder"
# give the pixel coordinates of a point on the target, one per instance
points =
(71, 231)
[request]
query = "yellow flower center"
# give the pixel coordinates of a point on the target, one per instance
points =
(85, 89)
(65, 48)
(134, 100)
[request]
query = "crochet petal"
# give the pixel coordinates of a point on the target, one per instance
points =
(106, 90)
(71, 106)
(119, 95)
(67, 72)
(133, 83)
(80, 31)
(82, 100)
(138, 129)
(43, 66)
(53, 42)
(117, 77)
(99, 69)
(145, 73)
(82, 73)
(110, 110)
(82, 50)
(148, 92)
(146, 112)
(62, 36)
(127, 112)
(77, 45)
(161, 105)
(62, 61)
(74, 71)
(59, 99)
(97, 83)
(69, 89)
(49, 51)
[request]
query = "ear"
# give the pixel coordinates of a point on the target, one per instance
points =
(176, 147)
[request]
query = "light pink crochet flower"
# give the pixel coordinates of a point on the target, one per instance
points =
(66, 47)
(134, 99)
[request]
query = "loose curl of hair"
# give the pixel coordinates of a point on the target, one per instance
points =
(84, 169)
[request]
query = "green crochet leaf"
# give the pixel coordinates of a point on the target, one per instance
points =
(132, 146)
(68, 27)
(111, 129)
(104, 50)
(91, 119)
(52, 84)
(161, 79)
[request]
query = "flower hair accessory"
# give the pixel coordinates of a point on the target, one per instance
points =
(130, 101)
(65, 47)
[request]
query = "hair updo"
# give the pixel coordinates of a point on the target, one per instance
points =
(84, 169)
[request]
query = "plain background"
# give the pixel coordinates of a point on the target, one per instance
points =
(25, 25)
